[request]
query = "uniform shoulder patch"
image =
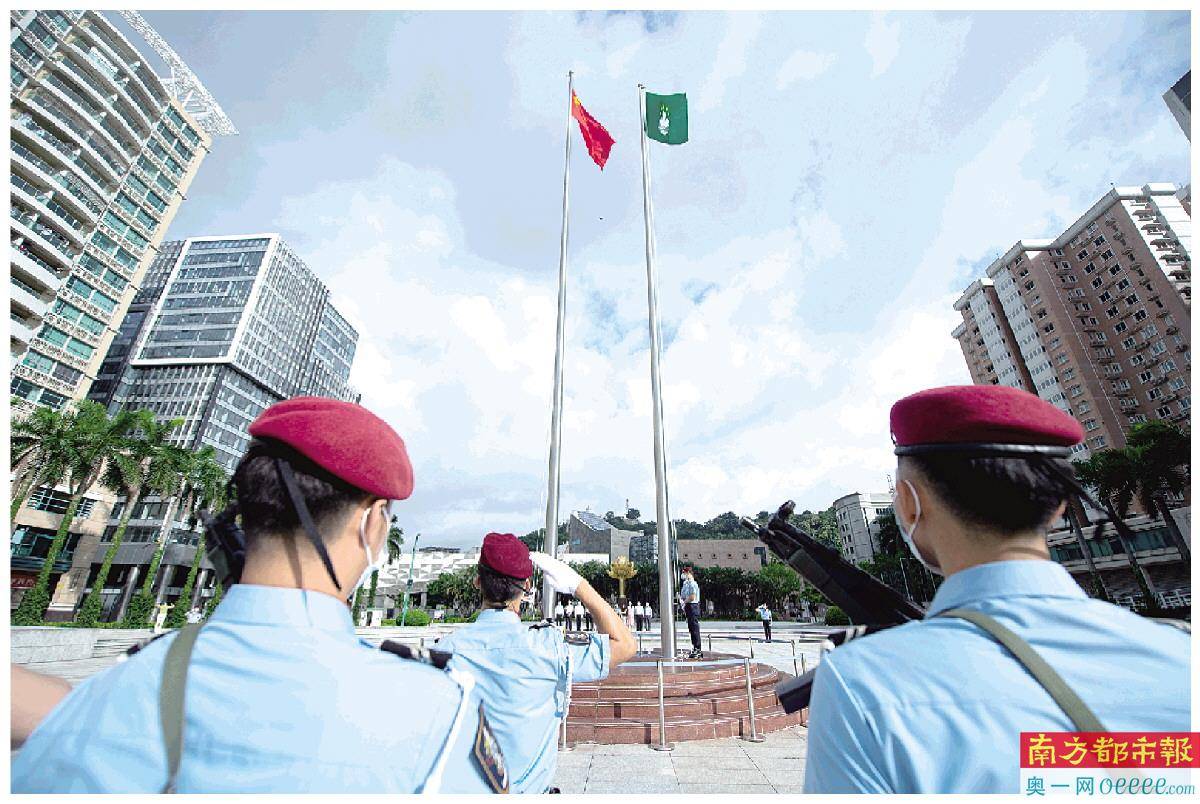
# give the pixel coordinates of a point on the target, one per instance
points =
(577, 638)
(489, 756)
(436, 658)
(542, 624)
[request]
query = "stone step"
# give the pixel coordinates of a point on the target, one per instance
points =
(731, 703)
(629, 686)
(624, 730)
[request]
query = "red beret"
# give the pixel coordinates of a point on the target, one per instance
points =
(507, 555)
(347, 440)
(981, 414)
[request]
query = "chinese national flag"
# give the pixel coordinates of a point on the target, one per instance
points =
(599, 142)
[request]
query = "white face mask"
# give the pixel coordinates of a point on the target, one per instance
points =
(373, 563)
(908, 535)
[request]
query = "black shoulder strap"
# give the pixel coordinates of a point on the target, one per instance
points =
(310, 527)
(1074, 707)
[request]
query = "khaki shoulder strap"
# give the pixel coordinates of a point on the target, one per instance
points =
(170, 698)
(1074, 707)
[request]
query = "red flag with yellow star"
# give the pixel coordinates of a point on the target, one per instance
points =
(599, 142)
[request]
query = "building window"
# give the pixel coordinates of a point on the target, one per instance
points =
(1164, 411)
(56, 502)
(1129, 342)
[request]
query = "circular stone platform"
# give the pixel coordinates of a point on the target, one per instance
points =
(701, 703)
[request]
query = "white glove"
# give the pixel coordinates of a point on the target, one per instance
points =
(564, 579)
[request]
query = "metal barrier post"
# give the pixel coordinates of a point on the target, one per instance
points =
(663, 745)
(795, 671)
(710, 643)
(751, 647)
(803, 668)
(754, 737)
(639, 636)
(421, 644)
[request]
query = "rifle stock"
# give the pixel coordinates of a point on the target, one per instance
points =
(865, 599)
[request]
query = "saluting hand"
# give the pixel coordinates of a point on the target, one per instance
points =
(564, 579)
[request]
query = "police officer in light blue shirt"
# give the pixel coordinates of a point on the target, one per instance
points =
(524, 672)
(938, 705)
(276, 693)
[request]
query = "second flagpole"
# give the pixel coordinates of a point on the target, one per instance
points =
(666, 578)
(551, 537)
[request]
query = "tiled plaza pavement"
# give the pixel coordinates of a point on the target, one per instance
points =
(727, 766)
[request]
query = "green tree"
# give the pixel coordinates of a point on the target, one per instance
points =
(633, 515)
(93, 437)
(39, 446)
(776, 583)
(200, 482)
(136, 468)
(1160, 454)
(1112, 475)
(177, 617)
(455, 589)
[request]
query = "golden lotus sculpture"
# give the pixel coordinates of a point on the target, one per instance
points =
(622, 569)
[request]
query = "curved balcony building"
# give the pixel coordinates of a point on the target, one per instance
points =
(102, 152)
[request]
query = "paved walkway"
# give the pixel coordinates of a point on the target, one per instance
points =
(727, 766)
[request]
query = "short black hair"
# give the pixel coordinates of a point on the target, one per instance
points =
(1005, 495)
(497, 587)
(264, 503)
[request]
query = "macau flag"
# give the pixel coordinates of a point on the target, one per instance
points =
(666, 118)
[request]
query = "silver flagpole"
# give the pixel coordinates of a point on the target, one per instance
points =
(551, 540)
(666, 586)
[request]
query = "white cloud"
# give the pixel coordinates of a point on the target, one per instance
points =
(882, 43)
(803, 65)
(761, 231)
(730, 59)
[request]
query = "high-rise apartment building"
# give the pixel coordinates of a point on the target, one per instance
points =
(223, 327)
(102, 153)
(858, 531)
(1095, 321)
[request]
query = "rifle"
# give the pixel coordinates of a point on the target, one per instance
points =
(864, 598)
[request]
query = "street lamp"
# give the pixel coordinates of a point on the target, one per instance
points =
(408, 585)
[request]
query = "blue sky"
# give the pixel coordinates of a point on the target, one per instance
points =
(847, 175)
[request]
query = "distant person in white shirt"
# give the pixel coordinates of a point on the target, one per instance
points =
(558, 614)
(764, 611)
(637, 616)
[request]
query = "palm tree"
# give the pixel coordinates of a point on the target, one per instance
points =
(201, 482)
(395, 542)
(1161, 458)
(178, 615)
(142, 465)
(176, 464)
(1076, 515)
(91, 438)
(38, 442)
(1111, 473)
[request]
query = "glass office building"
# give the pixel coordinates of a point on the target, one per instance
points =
(224, 327)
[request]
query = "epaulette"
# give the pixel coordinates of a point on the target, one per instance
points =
(141, 645)
(542, 624)
(435, 658)
(577, 638)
